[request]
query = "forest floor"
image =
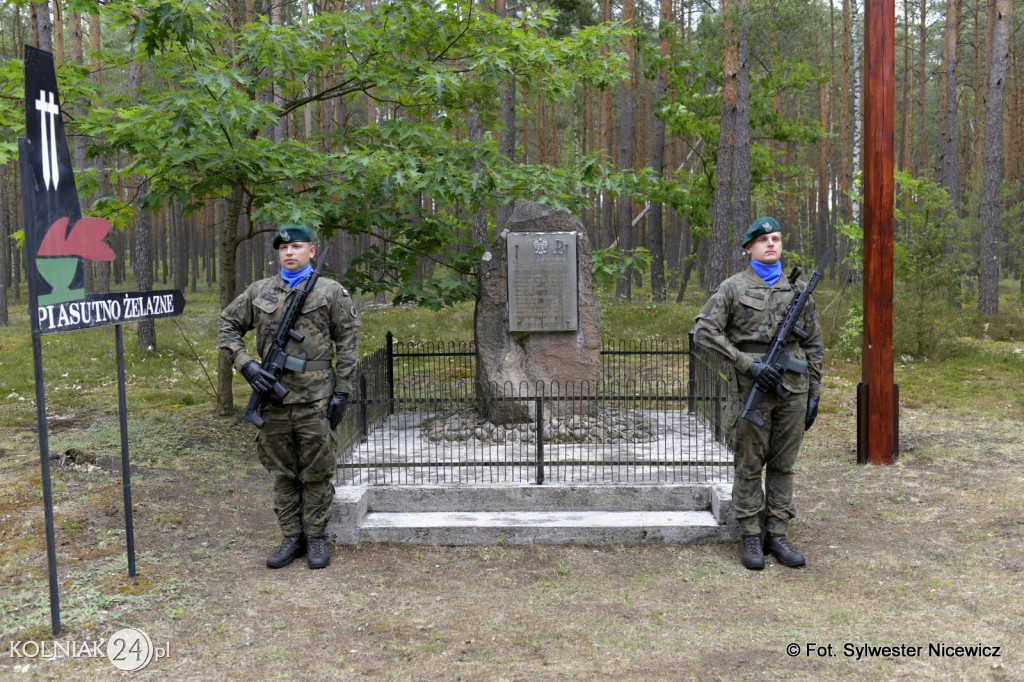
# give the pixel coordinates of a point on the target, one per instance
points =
(922, 557)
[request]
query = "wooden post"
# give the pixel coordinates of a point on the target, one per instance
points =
(877, 405)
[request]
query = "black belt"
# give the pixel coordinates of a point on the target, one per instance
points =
(294, 364)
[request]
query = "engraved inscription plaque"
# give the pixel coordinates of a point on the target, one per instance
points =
(543, 289)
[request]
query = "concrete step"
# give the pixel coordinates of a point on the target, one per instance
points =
(526, 514)
(544, 528)
(529, 497)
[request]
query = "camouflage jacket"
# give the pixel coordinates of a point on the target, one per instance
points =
(329, 321)
(741, 317)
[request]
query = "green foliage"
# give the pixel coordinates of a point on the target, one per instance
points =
(610, 265)
(853, 233)
(12, 112)
(164, 24)
(202, 126)
(849, 343)
(395, 267)
(692, 110)
(927, 264)
(930, 264)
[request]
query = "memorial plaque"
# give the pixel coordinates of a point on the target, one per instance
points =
(543, 288)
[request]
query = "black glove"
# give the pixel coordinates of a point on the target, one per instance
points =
(764, 374)
(812, 411)
(260, 380)
(336, 408)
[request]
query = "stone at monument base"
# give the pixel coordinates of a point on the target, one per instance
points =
(529, 363)
(529, 514)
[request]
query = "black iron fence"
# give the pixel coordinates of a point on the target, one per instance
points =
(417, 418)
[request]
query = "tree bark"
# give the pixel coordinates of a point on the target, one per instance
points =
(142, 252)
(100, 268)
(992, 173)
(820, 224)
(42, 26)
(605, 237)
(740, 201)
(922, 78)
(78, 142)
(950, 177)
(719, 252)
(5, 249)
(507, 114)
(475, 133)
(655, 221)
(624, 285)
(227, 291)
(58, 32)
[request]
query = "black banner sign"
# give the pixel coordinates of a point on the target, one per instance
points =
(100, 309)
(57, 237)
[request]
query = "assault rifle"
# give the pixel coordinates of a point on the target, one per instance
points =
(776, 355)
(276, 361)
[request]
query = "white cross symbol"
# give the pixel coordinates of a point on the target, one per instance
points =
(48, 140)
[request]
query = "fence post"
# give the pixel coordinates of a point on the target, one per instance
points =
(390, 370)
(540, 439)
(363, 425)
(718, 410)
(691, 368)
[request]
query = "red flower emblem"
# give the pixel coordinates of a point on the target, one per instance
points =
(85, 240)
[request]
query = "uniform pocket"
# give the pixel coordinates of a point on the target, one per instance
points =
(755, 300)
(314, 302)
(266, 305)
(749, 315)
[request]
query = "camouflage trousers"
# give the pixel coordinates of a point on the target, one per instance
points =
(771, 448)
(297, 446)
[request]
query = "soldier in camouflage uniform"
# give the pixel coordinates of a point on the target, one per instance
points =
(737, 323)
(297, 443)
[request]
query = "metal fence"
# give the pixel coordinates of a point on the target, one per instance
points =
(416, 418)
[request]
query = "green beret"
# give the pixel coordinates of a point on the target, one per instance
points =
(763, 225)
(292, 233)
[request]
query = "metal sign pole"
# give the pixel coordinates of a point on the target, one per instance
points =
(44, 462)
(29, 206)
(126, 478)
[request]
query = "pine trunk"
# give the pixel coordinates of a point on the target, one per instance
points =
(623, 287)
(950, 177)
(718, 256)
(992, 174)
(655, 220)
(741, 150)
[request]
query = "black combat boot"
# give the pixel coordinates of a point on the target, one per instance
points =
(292, 547)
(318, 557)
(779, 546)
(753, 554)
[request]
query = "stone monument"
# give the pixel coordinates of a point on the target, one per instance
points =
(537, 324)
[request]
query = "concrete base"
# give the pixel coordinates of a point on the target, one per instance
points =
(605, 514)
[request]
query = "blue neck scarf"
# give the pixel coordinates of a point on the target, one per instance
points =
(769, 273)
(293, 278)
